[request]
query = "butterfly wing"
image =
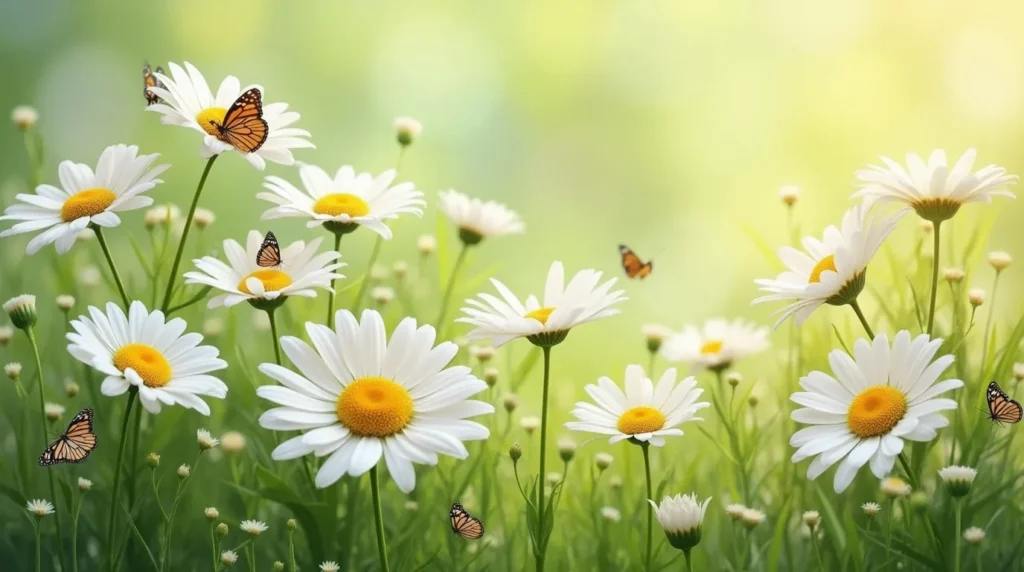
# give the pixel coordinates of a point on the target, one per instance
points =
(269, 254)
(631, 263)
(464, 524)
(1001, 408)
(244, 127)
(75, 445)
(149, 80)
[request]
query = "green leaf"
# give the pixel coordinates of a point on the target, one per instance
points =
(830, 520)
(15, 496)
(199, 296)
(779, 536)
(840, 338)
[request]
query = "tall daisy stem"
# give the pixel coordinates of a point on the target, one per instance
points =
(38, 546)
(988, 322)
(113, 267)
(330, 297)
(378, 517)
(689, 561)
(450, 289)
(650, 510)
(910, 474)
(935, 276)
(184, 235)
(957, 541)
(112, 520)
(543, 537)
(888, 530)
(273, 332)
(357, 304)
(863, 320)
(74, 534)
(42, 415)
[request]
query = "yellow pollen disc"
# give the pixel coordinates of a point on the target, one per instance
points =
(273, 280)
(336, 204)
(711, 347)
(641, 419)
(876, 410)
(86, 203)
(827, 263)
(147, 361)
(541, 314)
(211, 114)
(374, 407)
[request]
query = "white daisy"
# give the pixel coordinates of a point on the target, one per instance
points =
(85, 197)
(832, 270)
(359, 397)
(478, 220)
(253, 527)
(717, 345)
(879, 397)
(681, 517)
(933, 189)
(564, 307)
(300, 273)
(144, 350)
(39, 507)
(645, 412)
(186, 100)
(343, 203)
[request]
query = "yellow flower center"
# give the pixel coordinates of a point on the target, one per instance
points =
(827, 263)
(336, 204)
(374, 407)
(147, 361)
(641, 419)
(711, 347)
(273, 280)
(540, 314)
(86, 203)
(209, 115)
(876, 410)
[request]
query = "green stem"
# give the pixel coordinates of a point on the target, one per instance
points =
(35, 159)
(42, 415)
(113, 267)
(378, 517)
(888, 530)
(957, 541)
(935, 276)
(910, 474)
(38, 552)
(689, 561)
(273, 333)
(988, 322)
(331, 295)
(357, 304)
(213, 545)
(650, 510)
(543, 443)
(817, 549)
(863, 320)
(250, 556)
(112, 520)
(291, 552)
(179, 494)
(74, 535)
(650, 364)
(184, 235)
(450, 289)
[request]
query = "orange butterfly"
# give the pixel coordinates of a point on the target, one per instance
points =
(269, 254)
(244, 127)
(464, 524)
(1002, 409)
(74, 445)
(631, 263)
(149, 80)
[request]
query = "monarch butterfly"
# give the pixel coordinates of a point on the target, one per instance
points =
(1002, 409)
(244, 127)
(631, 263)
(464, 524)
(74, 445)
(149, 80)
(269, 254)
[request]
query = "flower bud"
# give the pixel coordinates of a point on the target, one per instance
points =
(292, 524)
(412, 506)
(211, 513)
(491, 376)
(406, 130)
(958, 479)
(510, 401)
(530, 424)
(789, 194)
(566, 449)
(611, 514)
(427, 244)
(953, 275)
(974, 535)
(400, 268)
(976, 296)
(6, 334)
(553, 478)
(153, 460)
(184, 471)
(84, 484)
(24, 117)
(734, 378)
(515, 452)
(812, 518)
(655, 334)
(22, 310)
(999, 260)
(752, 401)
(1018, 371)
(228, 557)
(482, 354)
(615, 482)
(13, 370)
(871, 509)
(919, 501)
(232, 442)
(926, 226)
(278, 566)
(65, 302)
(603, 461)
(53, 411)
(895, 487)
(71, 389)
(382, 295)
(203, 218)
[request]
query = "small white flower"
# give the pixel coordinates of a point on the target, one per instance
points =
(90, 276)
(426, 244)
(735, 511)
(161, 215)
(329, 566)
(203, 218)
(530, 424)
(953, 275)
(553, 478)
(84, 484)
(205, 439)
(477, 219)
(406, 130)
(253, 527)
(717, 345)
(213, 327)
(976, 296)
(211, 513)
(53, 411)
(24, 116)
(974, 535)
(603, 460)
(812, 518)
(999, 260)
(65, 302)
(382, 294)
(958, 479)
(895, 487)
(13, 370)
(789, 194)
(39, 507)
(752, 517)
(232, 442)
(22, 311)
(412, 506)
(655, 335)
(481, 353)
(229, 557)
(184, 471)
(6, 334)
(871, 508)
(611, 514)
(510, 402)
(681, 516)
(566, 449)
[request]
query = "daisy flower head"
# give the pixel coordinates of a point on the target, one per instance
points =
(830, 270)
(717, 345)
(894, 487)
(564, 307)
(85, 198)
(477, 219)
(871, 508)
(681, 516)
(735, 511)
(958, 479)
(655, 335)
(187, 101)
(24, 116)
(301, 272)
(406, 130)
(253, 527)
(342, 203)
(752, 517)
(359, 396)
(39, 507)
(875, 400)
(644, 413)
(145, 350)
(974, 535)
(934, 190)
(329, 566)
(205, 440)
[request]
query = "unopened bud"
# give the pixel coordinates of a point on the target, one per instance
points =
(953, 275)
(184, 471)
(153, 460)
(734, 378)
(510, 401)
(427, 244)
(515, 452)
(406, 130)
(292, 524)
(976, 296)
(491, 376)
(566, 449)
(603, 461)
(789, 194)
(222, 529)
(999, 260)
(71, 389)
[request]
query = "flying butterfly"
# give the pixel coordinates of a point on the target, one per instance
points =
(269, 254)
(631, 263)
(74, 445)
(149, 80)
(464, 524)
(243, 126)
(1002, 409)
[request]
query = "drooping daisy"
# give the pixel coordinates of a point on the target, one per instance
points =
(477, 219)
(145, 350)
(300, 273)
(564, 308)
(933, 189)
(644, 413)
(85, 197)
(360, 397)
(717, 345)
(187, 101)
(343, 203)
(832, 270)
(877, 399)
